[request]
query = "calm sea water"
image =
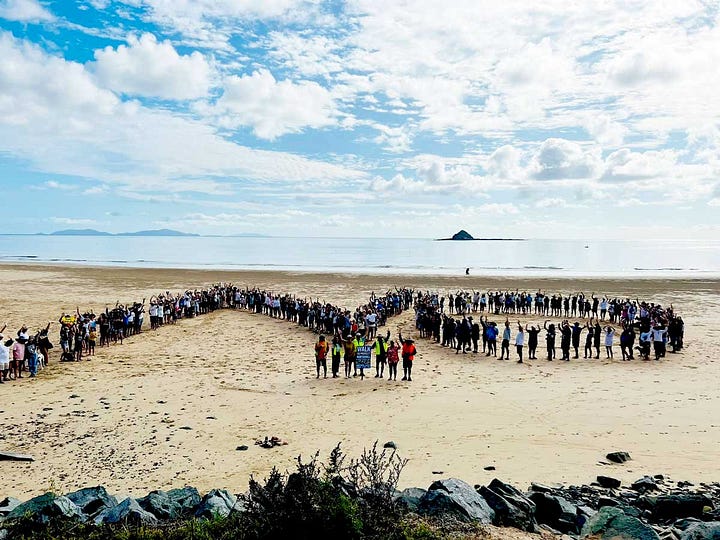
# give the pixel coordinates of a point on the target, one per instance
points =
(389, 256)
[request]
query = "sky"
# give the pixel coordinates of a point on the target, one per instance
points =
(362, 118)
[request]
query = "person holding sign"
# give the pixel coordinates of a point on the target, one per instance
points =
(408, 355)
(321, 350)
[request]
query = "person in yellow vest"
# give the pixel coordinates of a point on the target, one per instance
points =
(381, 349)
(337, 352)
(321, 351)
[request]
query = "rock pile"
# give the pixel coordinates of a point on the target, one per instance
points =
(652, 508)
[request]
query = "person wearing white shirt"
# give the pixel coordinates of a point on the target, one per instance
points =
(659, 333)
(520, 342)
(4, 358)
(609, 335)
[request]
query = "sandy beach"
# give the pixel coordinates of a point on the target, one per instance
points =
(168, 408)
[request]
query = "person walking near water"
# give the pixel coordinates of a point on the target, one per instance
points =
(321, 350)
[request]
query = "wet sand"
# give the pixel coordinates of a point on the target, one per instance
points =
(169, 408)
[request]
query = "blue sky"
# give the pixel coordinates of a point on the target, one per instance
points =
(362, 118)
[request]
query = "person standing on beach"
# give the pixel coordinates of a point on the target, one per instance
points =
(609, 335)
(4, 358)
(596, 337)
(505, 346)
(337, 351)
(350, 351)
(520, 342)
(408, 355)
(550, 340)
(589, 340)
(321, 350)
(565, 339)
(576, 331)
(532, 341)
(393, 357)
(381, 348)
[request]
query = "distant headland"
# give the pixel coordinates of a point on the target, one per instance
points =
(93, 232)
(464, 235)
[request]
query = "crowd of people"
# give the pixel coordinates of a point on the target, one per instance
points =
(466, 324)
(460, 321)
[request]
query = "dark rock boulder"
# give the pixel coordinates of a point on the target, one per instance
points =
(618, 457)
(462, 235)
(391, 445)
(92, 500)
(217, 502)
(456, 498)
(8, 504)
(644, 484)
(702, 531)
(410, 498)
(608, 482)
(512, 508)
(612, 523)
(46, 508)
(160, 505)
(555, 511)
(187, 498)
(676, 505)
(540, 488)
(127, 512)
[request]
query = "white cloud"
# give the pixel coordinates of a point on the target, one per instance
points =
(25, 11)
(560, 159)
(53, 115)
(273, 108)
(146, 67)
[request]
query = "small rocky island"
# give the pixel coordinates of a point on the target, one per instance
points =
(464, 235)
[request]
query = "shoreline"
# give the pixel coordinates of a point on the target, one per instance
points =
(461, 278)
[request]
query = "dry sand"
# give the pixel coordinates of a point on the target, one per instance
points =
(232, 377)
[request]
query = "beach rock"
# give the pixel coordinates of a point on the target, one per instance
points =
(608, 482)
(390, 444)
(676, 505)
(489, 468)
(410, 498)
(512, 508)
(242, 448)
(702, 531)
(46, 508)
(540, 488)
(612, 523)
(457, 498)
(159, 504)
(644, 484)
(127, 512)
(8, 504)
(217, 502)
(555, 511)
(92, 500)
(187, 498)
(618, 457)
(607, 501)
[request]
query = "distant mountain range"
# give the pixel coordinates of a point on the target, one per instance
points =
(93, 232)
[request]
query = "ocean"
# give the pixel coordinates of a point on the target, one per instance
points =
(543, 258)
